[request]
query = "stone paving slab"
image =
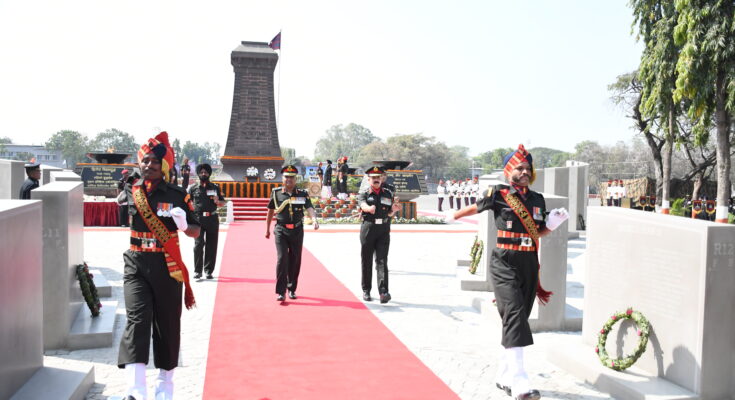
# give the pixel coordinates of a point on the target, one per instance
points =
(429, 314)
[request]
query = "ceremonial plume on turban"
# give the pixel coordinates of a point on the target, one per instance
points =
(516, 157)
(160, 147)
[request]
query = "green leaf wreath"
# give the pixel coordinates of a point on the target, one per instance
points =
(476, 254)
(89, 290)
(644, 330)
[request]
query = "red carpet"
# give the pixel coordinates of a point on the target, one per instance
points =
(324, 345)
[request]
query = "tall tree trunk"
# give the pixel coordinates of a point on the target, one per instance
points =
(697, 185)
(666, 165)
(722, 118)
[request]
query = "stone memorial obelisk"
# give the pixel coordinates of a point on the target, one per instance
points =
(252, 152)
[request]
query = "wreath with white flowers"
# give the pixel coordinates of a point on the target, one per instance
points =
(476, 254)
(269, 174)
(252, 171)
(89, 290)
(643, 331)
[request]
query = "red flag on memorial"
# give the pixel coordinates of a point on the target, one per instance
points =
(275, 44)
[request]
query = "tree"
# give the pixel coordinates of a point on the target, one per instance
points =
(176, 145)
(656, 21)
(493, 159)
(3, 141)
(73, 146)
(544, 157)
(116, 141)
(201, 153)
(705, 66)
(343, 141)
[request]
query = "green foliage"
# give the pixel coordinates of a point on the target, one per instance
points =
(677, 207)
(201, 153)
(731, 218)
(73, 146)
(644, 331)
(343, 141)
(117, 140)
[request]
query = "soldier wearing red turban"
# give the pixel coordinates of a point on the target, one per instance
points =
(520, 218)
(154, 272)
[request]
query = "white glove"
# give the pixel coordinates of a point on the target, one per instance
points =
(449, 217)
(179, 217)
(556, 217)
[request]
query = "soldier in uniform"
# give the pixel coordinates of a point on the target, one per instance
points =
(378, 204)
(185, 173)
(441, 192)
(288, 204)
(206, 197)
(327, 182)
(342, 173)
(33, 172)
(154, 271)
(514, 266)
(123, 202)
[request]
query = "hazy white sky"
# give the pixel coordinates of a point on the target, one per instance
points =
(481, 74)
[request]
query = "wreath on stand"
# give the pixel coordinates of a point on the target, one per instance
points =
(476, 254)
(643, 331)
(89, 290)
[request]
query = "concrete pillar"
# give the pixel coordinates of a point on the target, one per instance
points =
(13, 174)
(21, 318)
(46, 173)
(63, 250)
(65, 176)
(538, 184)
(553, 273)
(556, 181)
(578, 183)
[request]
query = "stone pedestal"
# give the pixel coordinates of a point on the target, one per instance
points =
(252, 141)
(680, 274)
(578, 188)
(65, 176)
(13, 174)
(21, 319)
(63, 250)
(46, 173)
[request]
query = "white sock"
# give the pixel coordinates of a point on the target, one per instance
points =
(165, 384)
(136, 380)
(502, 377)
(521, 383)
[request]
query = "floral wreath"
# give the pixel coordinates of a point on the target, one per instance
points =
(89, 290)
(476, 254)
(269, 174)
(644, 330)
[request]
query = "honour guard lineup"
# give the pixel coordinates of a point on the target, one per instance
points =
(156, 278)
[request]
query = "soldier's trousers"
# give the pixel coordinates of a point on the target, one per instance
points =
(441, 200)
(153, 304)
(451, 202)
(375, 241)
(288, 245)
(514, 275)
(205, 246)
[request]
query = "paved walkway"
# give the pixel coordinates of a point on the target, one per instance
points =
(428, 313)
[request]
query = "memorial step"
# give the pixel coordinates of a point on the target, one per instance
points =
(256, 218)
(249, 208)
(91, 333)
(100, 282)
(58, 379)
(251, 213)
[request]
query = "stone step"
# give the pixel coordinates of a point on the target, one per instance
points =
(250, 213)
(255, 218)
(100, 282)
(249, 208)
(91, 333)
(58, 379)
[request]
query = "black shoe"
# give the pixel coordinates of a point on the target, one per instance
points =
(384, 298)
(532, 394)
(504, 388)
(129, 398)
(292, 295)
(280, 298)
(366, 296)
(198, 275)
(209, 275)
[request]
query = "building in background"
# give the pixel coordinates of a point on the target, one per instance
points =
(26, 152)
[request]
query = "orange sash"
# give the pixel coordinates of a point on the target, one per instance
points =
(176, 267)
(529, 224)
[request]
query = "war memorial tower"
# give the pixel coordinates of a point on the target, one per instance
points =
(252, 152)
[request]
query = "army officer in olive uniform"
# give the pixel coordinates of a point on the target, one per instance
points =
(206, 197)
(288, 204)
(378, 205)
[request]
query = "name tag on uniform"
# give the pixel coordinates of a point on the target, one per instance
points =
(298, 200)
(211, 192)
(378, 221)
(387, 201)
(508, 224)
(164, 209)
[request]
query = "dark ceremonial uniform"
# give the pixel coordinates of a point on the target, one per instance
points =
(205, 246)
(152, 297)
(342, 184)
(25, 189)
(375, 237)
(327, 176)
(514, 262)
(289, 235)
(185, 173)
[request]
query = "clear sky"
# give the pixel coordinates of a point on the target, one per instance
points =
(482, 74)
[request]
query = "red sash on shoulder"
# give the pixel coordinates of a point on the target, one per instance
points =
(176, 267)
(529, 224)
